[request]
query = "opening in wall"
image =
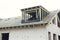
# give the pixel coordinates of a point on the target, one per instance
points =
(5, 36)
(49, 35)
(58, 37)
(54, 36)
(53, 21)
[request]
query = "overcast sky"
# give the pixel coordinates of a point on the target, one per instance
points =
(11, 8)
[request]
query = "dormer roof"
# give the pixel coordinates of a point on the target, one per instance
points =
(35, 7)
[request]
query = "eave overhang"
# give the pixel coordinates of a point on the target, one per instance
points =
(25, 26)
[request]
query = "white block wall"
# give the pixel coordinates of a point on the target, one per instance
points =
(39, 33)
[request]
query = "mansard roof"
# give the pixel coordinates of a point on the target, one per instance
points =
(11, 22)
(17, 21)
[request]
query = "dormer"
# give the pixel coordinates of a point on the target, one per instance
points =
(58, 19)
(33, 14)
